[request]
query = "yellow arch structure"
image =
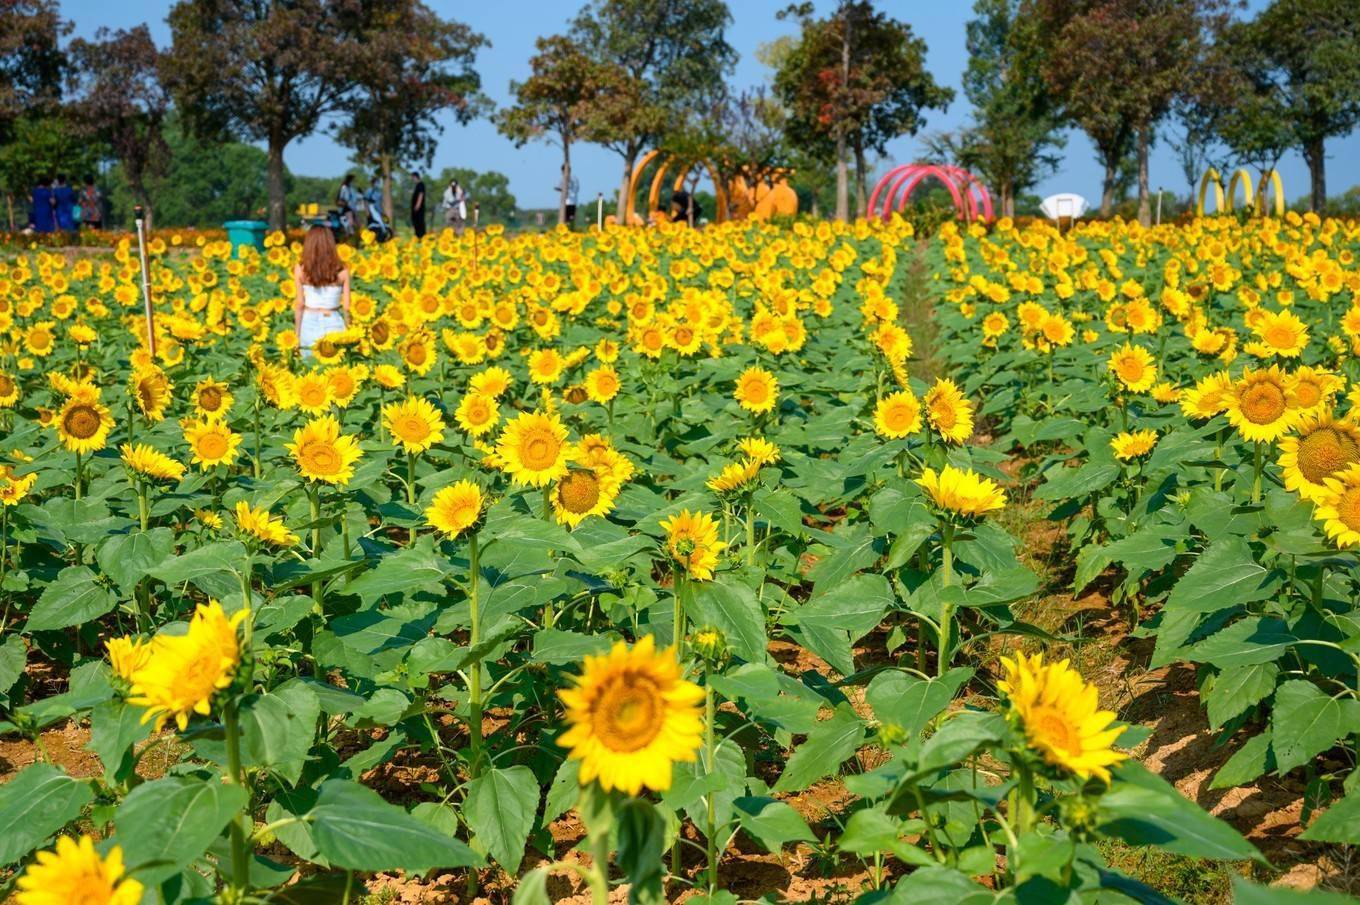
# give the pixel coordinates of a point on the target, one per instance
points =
(1242, 177)
(1211, 178)
(1272, 179)
(734, 201)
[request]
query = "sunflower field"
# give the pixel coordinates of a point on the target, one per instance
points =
(660, 565)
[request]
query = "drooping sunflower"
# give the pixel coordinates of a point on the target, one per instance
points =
(1134, 368)
(151, 390)
(897, 415)
(1258, 405)
(534, 448)
(1208, 397)
(759, 449)
(477, 414)
(962, 492)
(1133, 444)
(602, 384)
(949, 411)
(149, 462)
(455, 508)
(1320, 447)
(734, 476)
(415, 423)
(1060, 716)
(74, 873)
(322, 453)
(692, 539)
(757, 390)
(212, 398)
(262, 525)
(581, 493)
(183, 672)
(278, 385)
(493, 382)
(632, 716)
(13, 488)
(211, 441)
(1338, 507)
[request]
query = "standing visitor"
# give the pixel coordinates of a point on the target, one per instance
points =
(64, 203)
(373, 204)
(321, 305)
(573, 192)
(44, 216)
(418, 205)
(91, 205)
(455, 206)
(347, 202)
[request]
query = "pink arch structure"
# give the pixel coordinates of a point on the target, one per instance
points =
(970, 196)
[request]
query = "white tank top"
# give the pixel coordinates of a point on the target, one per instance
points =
(325, 297)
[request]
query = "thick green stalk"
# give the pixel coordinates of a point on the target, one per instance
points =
(475, 678)
(946, 610)
(240, 852)
(710, 709)
(411, 487)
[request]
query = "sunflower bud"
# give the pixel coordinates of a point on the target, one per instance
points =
(710, 645)
(890, 734)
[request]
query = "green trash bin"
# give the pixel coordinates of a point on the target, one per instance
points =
(245, 232)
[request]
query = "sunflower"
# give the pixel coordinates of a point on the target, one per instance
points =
(183, 672)
(1258, 405)
(150, 462)
(345, 383)
(211, 441)
(1133, 444)
(534, 448)
(602, 384)
(1313, 389)
(127, 655)
(897, 415)
(692, 539)
(278, 386)
(312, 392)
(13, 489)
(757, 390)
(9, 390)
(632, 714)
(477, 414)
(416, 424)
(76, 873)
(734, 476)
(455, 508)
(949, 411)
(1338, 506)
(1208, 397)
(322, 453)
(962, 492)
(1282, 332)
(1133, 367)
(1319, 448)
(759, 449)
(40, 339)
(418, 352)
(212, 398)
(261, 525)
(389, 377)
(595, 451)
(583, 492)
(150, 388)
(493, 382)
(1060, 715)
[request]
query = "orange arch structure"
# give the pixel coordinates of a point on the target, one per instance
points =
(735, 200)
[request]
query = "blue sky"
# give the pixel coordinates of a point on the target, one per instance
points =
(513, 26)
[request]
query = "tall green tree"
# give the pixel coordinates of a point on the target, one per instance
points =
(1015, 127)
(415, 66)
(854, 81)
(119, 101)
(43, 143)
(264, 70)
(675, 57)
(1117, 66)
(555, 103)
(31, 60)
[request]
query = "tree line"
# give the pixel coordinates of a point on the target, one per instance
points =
(630, 75)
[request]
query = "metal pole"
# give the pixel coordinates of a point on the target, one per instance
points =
(599, 210)
(1159, 205)
(146, 282)
(476, 215)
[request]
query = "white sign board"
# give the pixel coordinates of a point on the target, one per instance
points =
(1064, 204)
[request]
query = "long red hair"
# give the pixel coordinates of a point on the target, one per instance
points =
(321, 264)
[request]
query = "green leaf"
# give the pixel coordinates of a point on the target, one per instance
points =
(34, 804)
(641, 834)
(409, 569)
(1225, 575)
(558, 647)
(76, 597)
(167, 823)
(355, 829)
(1072, 483)
(772, 823)
(1255, 758)
(871, 830)
(277, 729)
(910, 702)
(781, 509)
(1304, 723)
(1144, 809)
(938, 885)
(1247, 641)
(1340, 823)
(731, 607)
(13, 660)
(856, 605)
(827, 746)
(500, 809)
(1237, 688)
(114, 728)
(210, 559)
(128, 558)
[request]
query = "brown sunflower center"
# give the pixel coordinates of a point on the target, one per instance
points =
(210, 399)
(629, 713)
(212, 446)
(1324, 452)
(412, 427)
(539, 450)
(1052, 728)
(1263, 403)
(579, 492)
(416, 354)
(81, 422)
(6, 385)
(320, 458)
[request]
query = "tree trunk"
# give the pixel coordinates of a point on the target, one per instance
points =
(629, 160)
(566, 184)
(1007, 192)
(388, 210)
(1144, 207)
(861, 176)
(1313, 153)
(842, 181)
(1107, 189)
(9, 206)
(275, 179)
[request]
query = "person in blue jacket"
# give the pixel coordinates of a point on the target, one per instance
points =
(64, 200)
(44, 219)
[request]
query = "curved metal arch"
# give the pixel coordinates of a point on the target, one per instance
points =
(1272, 179)
(1211, 178)
(893, 192)
(1241, 177)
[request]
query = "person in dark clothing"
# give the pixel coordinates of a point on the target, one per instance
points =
(418, 206)
(44, 216)
(64, 201)
(91, 205)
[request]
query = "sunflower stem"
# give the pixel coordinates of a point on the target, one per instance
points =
(750, 534)
(475, 677)
(240, 854)
(314, 503)
(678, 629)
(80, 473)
(1024, 801)
(1256, 479)
(258, 434)
(599, 872)
(411, 487)
(710, 835)
(143, 511)
(946, 610)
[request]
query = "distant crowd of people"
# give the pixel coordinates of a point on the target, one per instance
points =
(57, 207)
(353, 203)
